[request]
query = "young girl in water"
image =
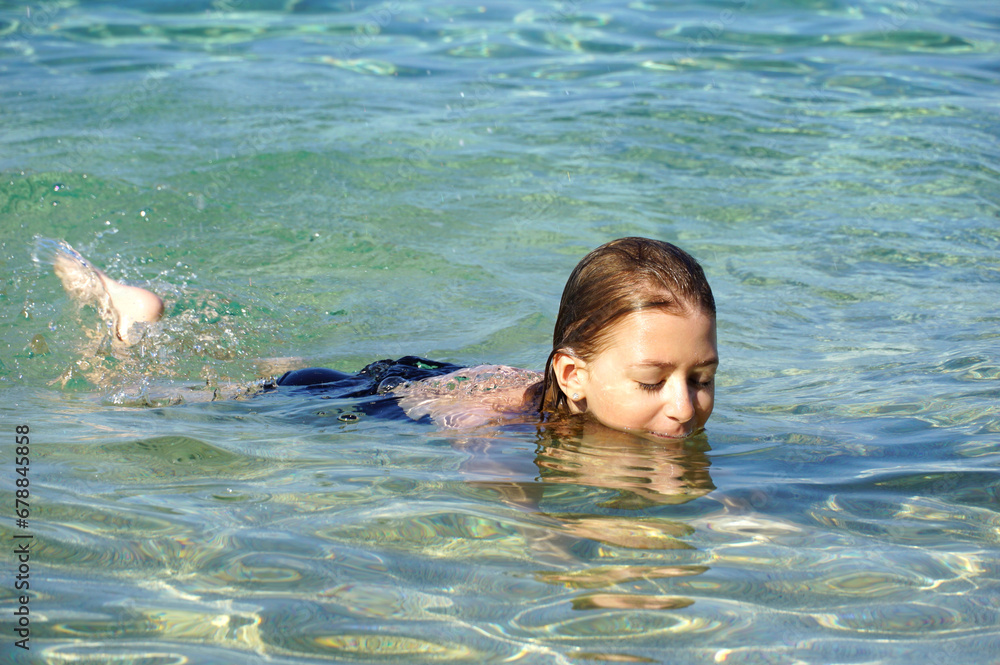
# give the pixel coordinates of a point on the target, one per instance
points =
(634, 348)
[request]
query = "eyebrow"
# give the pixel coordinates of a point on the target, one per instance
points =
(711, 362)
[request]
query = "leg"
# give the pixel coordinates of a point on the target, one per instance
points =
(119, 305)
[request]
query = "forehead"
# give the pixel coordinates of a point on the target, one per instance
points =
(657, 335)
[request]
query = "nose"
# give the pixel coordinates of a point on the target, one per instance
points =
(679, 401)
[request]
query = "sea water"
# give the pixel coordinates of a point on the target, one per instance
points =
(335, 182)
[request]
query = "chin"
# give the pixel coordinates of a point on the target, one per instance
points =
(658, 435)
(649, 434)
(663, 435)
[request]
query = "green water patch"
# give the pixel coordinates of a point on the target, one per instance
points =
(174, 457)
(111, 216)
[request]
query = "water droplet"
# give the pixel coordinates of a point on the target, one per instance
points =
(38, 346)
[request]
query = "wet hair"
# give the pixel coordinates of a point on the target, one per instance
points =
(616, 279)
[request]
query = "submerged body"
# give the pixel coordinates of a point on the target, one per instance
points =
(634, 349)
(449, 395)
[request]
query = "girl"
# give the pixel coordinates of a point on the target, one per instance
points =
(634, 348)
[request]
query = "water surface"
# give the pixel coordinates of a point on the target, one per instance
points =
(347, 181)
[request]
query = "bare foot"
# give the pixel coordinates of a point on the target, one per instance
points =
(118, 304)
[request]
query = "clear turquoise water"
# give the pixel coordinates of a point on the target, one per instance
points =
(345, 181)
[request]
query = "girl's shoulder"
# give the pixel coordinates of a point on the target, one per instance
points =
(479, 380)
(472, 396)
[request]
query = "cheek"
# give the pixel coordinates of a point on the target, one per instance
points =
(615, 407)
(706, 403)
(630, 409)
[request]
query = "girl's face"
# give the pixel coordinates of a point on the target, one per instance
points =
(655, 375)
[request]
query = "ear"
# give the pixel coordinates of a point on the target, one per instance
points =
(571, 375)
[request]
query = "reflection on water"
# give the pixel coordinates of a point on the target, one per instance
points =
(640, 473)
(643, 473)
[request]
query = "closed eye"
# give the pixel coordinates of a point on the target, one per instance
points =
(651, 387)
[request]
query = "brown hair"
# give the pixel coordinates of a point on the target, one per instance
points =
(620, 277)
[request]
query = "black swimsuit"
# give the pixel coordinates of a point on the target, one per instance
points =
(375, 380)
